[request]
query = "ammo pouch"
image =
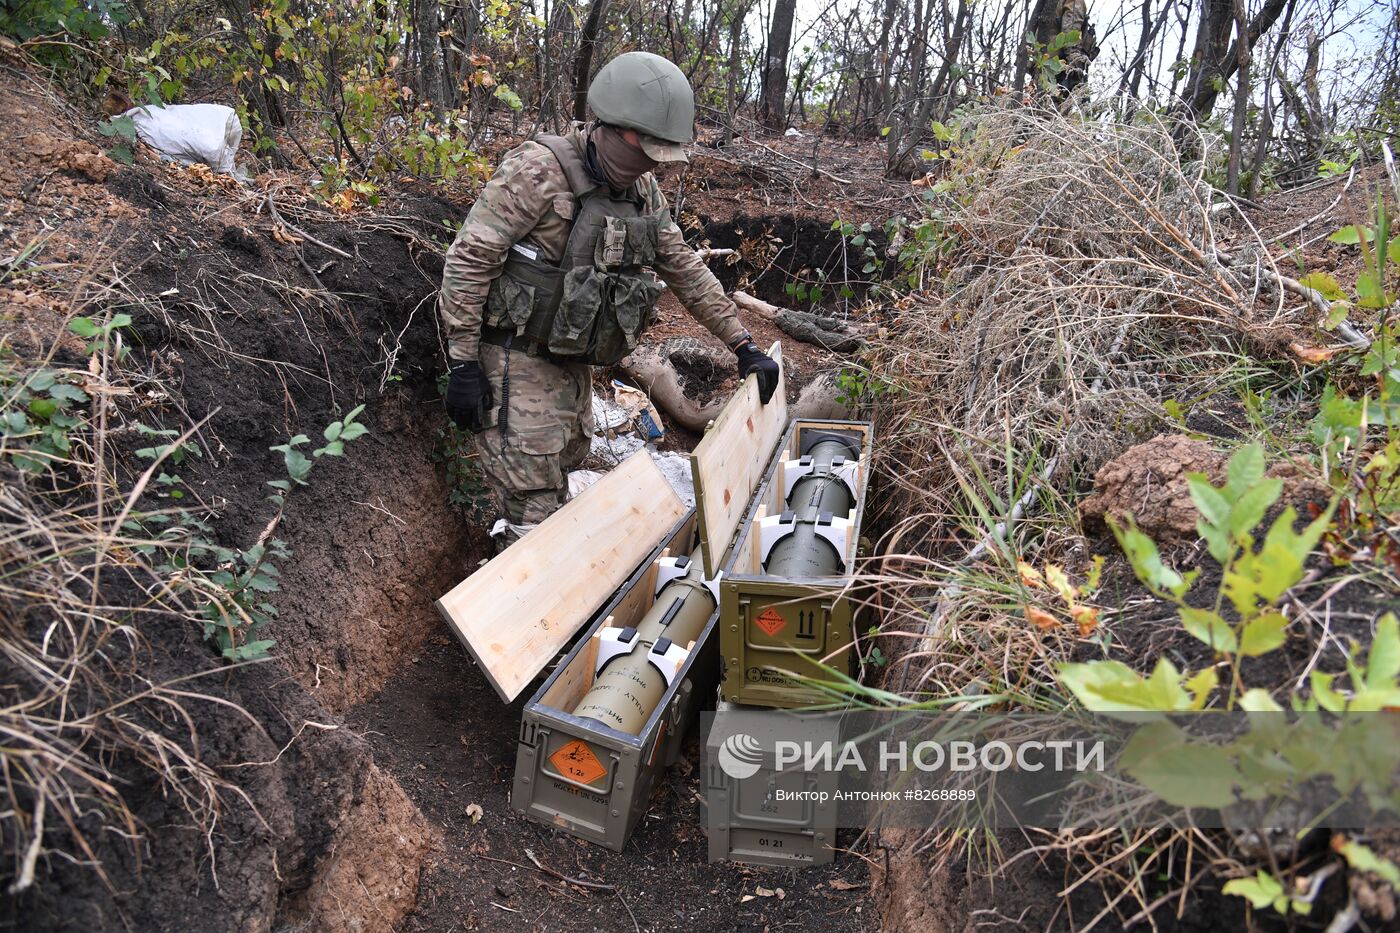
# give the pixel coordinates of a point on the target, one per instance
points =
(594, 305)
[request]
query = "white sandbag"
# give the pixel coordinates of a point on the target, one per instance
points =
(188, 133)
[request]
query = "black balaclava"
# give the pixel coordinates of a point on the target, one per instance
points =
(618, 162)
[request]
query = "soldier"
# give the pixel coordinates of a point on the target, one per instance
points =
(552, 273)
(1074, 17)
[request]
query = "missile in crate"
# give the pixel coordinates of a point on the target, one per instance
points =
(808, 539)
(636, 664)
(787, 608)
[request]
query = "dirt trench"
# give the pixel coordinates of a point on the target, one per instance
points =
(370, 731)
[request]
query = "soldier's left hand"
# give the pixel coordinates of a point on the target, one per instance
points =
(754, 360)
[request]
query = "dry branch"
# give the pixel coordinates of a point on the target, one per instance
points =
(828, 333)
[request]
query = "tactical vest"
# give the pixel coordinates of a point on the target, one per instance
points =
(593, 306)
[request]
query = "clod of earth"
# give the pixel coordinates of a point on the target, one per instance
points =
(1148, 482)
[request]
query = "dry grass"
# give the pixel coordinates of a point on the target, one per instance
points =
(82, 710)
(1087, 286)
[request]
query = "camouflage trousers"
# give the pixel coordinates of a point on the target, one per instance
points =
(547, 410)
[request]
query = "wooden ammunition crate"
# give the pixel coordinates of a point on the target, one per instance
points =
(578, 774)
(586, 777)
(747, 820)
(772, 628)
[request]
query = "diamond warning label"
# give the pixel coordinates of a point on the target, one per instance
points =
(577, 761)
(770, 621)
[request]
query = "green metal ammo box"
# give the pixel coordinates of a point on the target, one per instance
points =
(774, 627)
(581, 775)
(748, 819)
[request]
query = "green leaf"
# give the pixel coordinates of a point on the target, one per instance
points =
(1261, 891)
(332, 430)
(1208, 627)
(1362, 858)
(1325, 284)
(119, 320)
(353, 431)
(1201, 684)
(1183, 773)
(84, 327)
(1350, 235)
(1147, 563)
(252, 651)
(1369, 293)
(1336, 315)
(1383, 661)
(1322, 691)
(1111, 686)
(62, 390)
(1249, 509)
(941, 132)
(1263, 634)
(1213, 506)
(42, 408)
(1246, 468)
(1258, 701)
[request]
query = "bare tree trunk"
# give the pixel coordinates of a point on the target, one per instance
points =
(1266, 130)
(1242, 57)
(1183, 21)
(1215, 59)
(1041, 25)
(583, 63)
(426, 23)
(882, 50)
(736, 45)
(1307, 103)
(1132, 77)
(772, 103)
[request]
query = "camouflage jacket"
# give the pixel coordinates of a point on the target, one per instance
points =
(528, 201)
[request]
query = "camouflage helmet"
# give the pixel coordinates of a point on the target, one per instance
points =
(647, 93)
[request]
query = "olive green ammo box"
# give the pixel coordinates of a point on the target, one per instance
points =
(773, 627)
(581, 775)
(747, 820)
(575, 773)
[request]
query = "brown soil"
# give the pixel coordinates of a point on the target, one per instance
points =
(440, 728)
(1148, 482)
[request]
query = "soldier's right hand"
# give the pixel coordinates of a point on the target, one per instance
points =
(469, 396)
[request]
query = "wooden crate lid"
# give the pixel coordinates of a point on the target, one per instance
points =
(517, 612)
(730, 459)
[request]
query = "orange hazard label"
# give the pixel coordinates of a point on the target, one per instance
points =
(770, 621)
(577, 761)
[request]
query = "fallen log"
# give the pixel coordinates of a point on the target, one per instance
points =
(808, 329)
(826, 332)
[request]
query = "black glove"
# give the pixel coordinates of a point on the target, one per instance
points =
(754, 360)
(469, 396)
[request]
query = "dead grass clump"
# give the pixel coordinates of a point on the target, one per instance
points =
(81, 708)
(1087, 286)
